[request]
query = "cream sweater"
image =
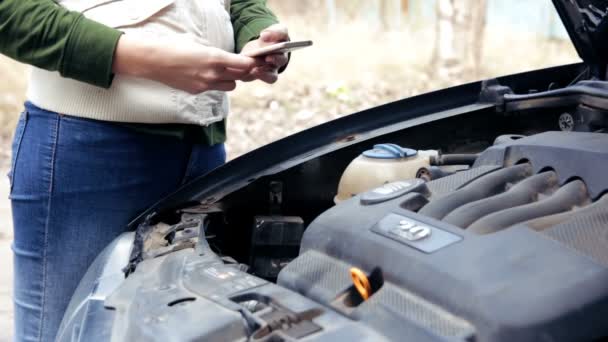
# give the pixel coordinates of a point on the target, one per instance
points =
(137, 100)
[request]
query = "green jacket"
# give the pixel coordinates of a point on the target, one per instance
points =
(43, 34)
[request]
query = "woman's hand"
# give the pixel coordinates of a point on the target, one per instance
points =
(186, 66)
(269, 66)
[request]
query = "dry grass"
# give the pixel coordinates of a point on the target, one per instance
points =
(13, 83)
(347, 70)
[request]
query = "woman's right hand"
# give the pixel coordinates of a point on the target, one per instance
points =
(187, 66)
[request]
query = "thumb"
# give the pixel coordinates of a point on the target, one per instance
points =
(235, 61)
(275, 33)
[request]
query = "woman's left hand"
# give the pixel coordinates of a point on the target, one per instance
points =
(269, 65)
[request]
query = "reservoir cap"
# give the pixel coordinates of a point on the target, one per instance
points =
(390, 151)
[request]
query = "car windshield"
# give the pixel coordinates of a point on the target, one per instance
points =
(367, 53)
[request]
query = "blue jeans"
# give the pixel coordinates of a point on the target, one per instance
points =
(75, 185)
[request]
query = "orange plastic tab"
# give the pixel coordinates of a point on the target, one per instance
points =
(361, 283)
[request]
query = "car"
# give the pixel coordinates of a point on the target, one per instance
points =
(475, 213)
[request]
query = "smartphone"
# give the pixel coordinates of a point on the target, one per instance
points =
(278, 48)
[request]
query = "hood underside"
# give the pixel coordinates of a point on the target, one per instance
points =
(587, 24)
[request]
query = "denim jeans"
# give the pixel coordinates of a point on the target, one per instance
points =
(75, 185)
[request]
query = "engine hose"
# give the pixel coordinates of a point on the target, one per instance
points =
(563, 200)
(482, 187)
(522, 193)
(454, 159)
(431, 173)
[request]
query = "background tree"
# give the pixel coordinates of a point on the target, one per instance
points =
(391, 12)
(459, 28)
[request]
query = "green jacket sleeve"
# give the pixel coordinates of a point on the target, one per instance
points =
(249, 18)
(43, 34)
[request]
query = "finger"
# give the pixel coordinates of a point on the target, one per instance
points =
(196, 88)
(260, 61)
(277, 60)
(232, 60)
(223, 86)
(265, 75)
(275, 33)
(246, 75)
(248, 78)
(264, 68)
(230, 74)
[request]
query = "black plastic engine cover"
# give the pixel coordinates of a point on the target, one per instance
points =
(544, 278)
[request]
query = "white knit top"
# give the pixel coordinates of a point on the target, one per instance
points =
(137, 100)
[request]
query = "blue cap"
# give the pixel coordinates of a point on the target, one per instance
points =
(390, 151)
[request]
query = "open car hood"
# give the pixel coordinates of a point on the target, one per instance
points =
(587, 25)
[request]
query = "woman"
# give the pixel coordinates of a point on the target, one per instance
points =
(85, 159)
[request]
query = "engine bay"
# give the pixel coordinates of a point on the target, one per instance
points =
(491, 225)
(516, 245)
(511, 247)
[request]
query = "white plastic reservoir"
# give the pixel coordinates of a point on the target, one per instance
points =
(385, 163)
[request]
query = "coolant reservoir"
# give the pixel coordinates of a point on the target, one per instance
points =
(386, 163)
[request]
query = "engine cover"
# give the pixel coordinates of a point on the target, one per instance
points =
(513, 249)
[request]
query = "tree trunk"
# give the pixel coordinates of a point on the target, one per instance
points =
(390, 14)
(330, 6)
(459, 31)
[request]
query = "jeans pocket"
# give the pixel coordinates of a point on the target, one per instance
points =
(16, 146)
